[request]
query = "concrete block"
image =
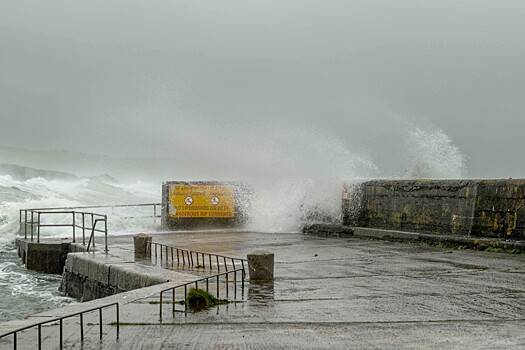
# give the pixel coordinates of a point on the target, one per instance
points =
(142, 243)
(261, 266)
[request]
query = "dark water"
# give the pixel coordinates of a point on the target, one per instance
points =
(24, 292)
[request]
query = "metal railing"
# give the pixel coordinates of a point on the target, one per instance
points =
(60, 321)
(215, 279)
(31, 220)
(186, 256)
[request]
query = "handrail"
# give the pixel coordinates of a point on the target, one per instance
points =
(92, 236)
(207, 280)
(60, 320)
(186, 255)
(99, 206)
(32, 218)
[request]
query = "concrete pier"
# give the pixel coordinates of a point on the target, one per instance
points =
(47, 256)
(328, 293)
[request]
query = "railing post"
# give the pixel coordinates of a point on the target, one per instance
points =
(39, 337)
(173, 302)
(160, 307)
(106, 234)
(100, 322)
(185, 297)
(118, 320)
(74, 226)
(38, 228)
(81, 328)
(60, 334)
(83, 228)
(32, 218)
(25, 224)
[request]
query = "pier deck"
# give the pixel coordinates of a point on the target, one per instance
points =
(334, 294)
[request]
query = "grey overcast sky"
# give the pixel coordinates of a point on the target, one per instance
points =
(207, 78)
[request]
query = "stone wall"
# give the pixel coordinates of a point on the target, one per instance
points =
(87, 277)
(484, 208)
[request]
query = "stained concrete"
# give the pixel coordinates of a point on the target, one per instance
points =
(479, 208)
(47, 256)
(332, 294)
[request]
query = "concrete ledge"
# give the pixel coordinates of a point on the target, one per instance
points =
(476, 243)
(47, 257)
(89, 276)
(324, 230)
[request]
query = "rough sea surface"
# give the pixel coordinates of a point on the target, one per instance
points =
(24, 292)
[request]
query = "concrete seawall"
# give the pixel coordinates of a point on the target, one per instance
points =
(47, 256)
(87, 277)
(478, 208)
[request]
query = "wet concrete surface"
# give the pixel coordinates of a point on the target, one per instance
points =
(334, 293)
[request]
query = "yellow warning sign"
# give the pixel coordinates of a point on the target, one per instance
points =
(201, 201)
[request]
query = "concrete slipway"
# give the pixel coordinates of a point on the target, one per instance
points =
(329, 293)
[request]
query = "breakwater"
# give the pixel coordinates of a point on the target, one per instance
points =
(478, 208)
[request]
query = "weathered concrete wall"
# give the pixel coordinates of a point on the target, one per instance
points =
(485, 208)
(87, 277)
(47, 257)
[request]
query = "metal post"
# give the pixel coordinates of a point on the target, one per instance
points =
(183, 259)
(207, 283)
(60, 335)
(242, 284)
(106, 234)
(25, 224)
(173, 302)
(227, 285)
(209, 256)
(197, 254)
(218, 266)
(39, 337)
(83, 228)
(81, 327)
(92, 226)
(185, 296)
(160, 307)
(234, 284)
(38, 228)
(14, 340)
(171, 256)
(118, 320)
(100, 322)
(32, 218)
(177, 256)
(217, 286)
(74, 226)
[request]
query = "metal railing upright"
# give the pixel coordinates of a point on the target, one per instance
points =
(60, 321)
(31, 220)
(191, 258)
(229, 277)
